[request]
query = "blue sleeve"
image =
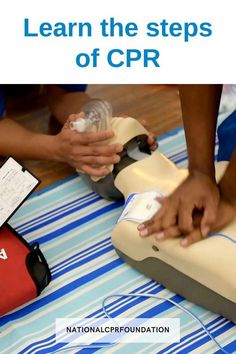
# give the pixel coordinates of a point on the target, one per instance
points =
(227, 138)
(74, 88)
(2, 102)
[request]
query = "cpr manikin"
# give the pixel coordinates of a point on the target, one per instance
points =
(205, 272)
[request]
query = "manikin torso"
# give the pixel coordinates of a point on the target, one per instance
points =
(210, 263)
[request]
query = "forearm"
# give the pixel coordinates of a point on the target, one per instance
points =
(21, 143)
(200, 105)
(63, 103)
(228, 182)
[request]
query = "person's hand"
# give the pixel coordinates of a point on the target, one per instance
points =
(198, 193)
(82, 151)
(151, 136)
(226, 213)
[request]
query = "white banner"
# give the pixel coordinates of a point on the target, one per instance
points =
(104, 41)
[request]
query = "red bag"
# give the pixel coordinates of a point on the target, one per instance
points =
(24, 272)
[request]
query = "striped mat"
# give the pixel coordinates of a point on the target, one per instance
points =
(74, 226)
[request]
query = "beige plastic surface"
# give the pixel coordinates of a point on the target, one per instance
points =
(124, 129)
(211, 261)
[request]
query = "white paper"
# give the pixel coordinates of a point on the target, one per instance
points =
(15, 186)
(140, 207)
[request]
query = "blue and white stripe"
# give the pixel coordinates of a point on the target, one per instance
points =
(73, 226)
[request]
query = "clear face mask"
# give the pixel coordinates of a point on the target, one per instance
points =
(98, 114)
